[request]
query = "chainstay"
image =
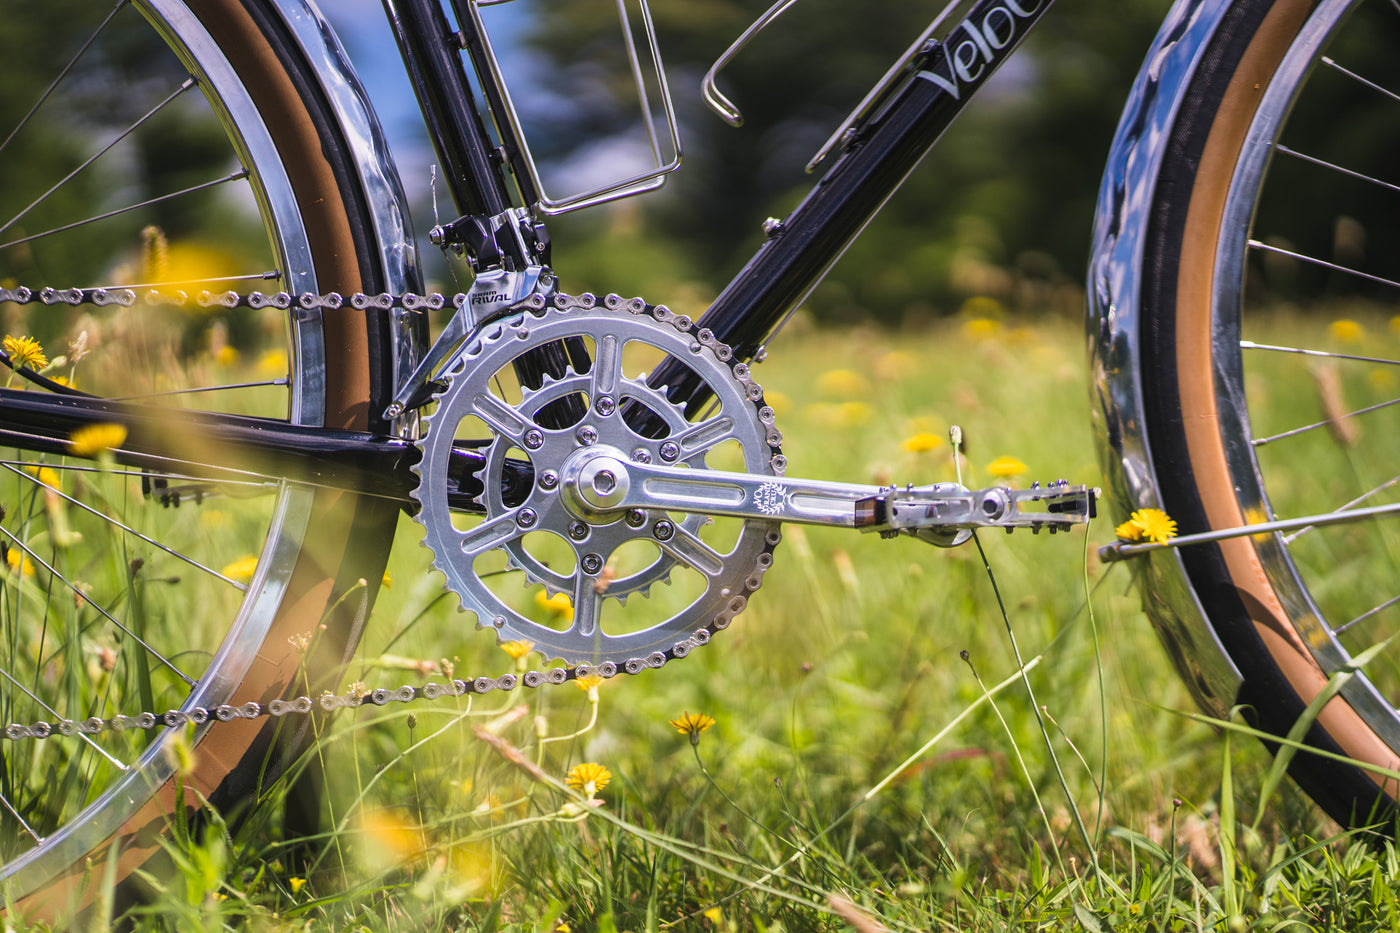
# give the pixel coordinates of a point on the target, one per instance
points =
(358, 696)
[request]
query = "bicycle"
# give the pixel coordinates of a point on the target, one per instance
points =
(529, 409)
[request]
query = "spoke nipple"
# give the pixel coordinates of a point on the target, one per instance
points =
(670, 451)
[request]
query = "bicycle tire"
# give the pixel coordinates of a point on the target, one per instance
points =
(1204, 406)
(322, 553)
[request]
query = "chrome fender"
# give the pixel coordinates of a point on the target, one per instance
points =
(1114, 317)
(373, 164)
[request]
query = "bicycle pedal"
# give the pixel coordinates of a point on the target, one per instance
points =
(945, 514)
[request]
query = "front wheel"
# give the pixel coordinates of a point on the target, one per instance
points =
(1266, 368)
(172, 145)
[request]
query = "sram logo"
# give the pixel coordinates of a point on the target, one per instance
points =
(974, 48)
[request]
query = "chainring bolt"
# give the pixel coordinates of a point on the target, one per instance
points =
(587, 434)
(636, 518)
(670, 451)
(641, 455)
(526, 518)
(591, 563)
(663, 530)
(606, 405)
(534, 438)
(549, 479)
(578, 530)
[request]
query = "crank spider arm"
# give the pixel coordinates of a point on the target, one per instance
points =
(598, 483)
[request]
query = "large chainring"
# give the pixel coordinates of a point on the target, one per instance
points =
(510, 565)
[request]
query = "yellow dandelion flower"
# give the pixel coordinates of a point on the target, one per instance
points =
(981, 328)
(1006, 467)
(692, 724)
(895, 364)
(1147, 525)
(273, 363)
(93, 439)
(16, 561)
(588, 778)
(214, 518)
(982, 306)
(296, 884)
(922, 442)
(714, 915)
(1382, 380)
(559, 604)
(387, 581)
(517, 649)
(855, 413)
(842, 383)
(25, 352)
(1345, 330)
(241, 569)
(226, 356)
(46, 475)
(780, 402)
(588, 682)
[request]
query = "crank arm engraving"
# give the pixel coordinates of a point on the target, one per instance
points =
(599, 483)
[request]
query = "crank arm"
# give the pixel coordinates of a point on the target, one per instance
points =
(600, 483)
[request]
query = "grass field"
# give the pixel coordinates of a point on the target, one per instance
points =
(874, 760)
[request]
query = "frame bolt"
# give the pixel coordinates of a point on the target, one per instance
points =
(587, 434)
(663, 530)
(526, 518)
(591, 563)
(534, 438)
(670, 450)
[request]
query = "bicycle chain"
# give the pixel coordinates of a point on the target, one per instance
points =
(358, 696)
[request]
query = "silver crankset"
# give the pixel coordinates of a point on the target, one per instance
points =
(624, 495)
(510, 566)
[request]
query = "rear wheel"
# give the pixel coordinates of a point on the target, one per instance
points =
(1269, 366)
(178, 144)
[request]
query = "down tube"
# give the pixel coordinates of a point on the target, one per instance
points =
(944, 77)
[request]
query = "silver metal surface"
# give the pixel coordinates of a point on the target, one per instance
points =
(629, 185)
(710, 90)
(617, 402)
(1114, 316)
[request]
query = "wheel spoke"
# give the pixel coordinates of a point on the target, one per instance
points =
(79, 592)
(236, 176)
(126, 528)
(1366, 615)
(57, 715)
(1313, 260)
(1289, 539)
(1325, 354)
(1323, 163)
(1331, 63)
(184, 86)
(102, 27)
(1261, 441)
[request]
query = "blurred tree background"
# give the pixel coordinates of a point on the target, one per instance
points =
(1002, 209)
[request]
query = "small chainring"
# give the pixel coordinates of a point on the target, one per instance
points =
(510, 565)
